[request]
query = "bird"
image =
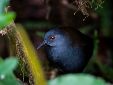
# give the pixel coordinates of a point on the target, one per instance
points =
(68, 49)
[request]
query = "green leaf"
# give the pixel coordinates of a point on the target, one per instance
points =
(7, 66)
(8, 79)
(6, 19)
(6, 75)
(3, 4)
(77, 79)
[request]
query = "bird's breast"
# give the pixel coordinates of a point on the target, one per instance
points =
(55, 53)
(69, 59)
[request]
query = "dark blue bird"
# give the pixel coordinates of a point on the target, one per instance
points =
(68, 49)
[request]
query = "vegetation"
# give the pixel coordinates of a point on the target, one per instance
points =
(92, 17)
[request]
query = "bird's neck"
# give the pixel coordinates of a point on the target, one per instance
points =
(60, 49)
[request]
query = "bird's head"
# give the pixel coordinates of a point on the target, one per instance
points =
(55, 37)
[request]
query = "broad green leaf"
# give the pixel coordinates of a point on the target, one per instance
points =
(77, 79)
(7, 66)
(6, 72)
(8, 79)
(6, 19)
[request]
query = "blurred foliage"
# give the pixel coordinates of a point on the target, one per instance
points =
(26, 52)
(106, 70)
(5, 18)
(41, 34)
(3, 5)
(40, 25)
(96, 4)
(27, 49)
(84, 5)
(106, 17)
(29, 53)
(6, 72)
(95, 50)
(77, 79)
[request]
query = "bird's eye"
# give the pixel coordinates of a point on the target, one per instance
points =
(52, 37)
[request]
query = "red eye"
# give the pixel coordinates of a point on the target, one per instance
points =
(51, 37)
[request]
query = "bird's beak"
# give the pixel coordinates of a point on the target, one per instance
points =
(43, 43)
